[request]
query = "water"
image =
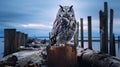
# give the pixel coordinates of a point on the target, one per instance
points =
(95, 44)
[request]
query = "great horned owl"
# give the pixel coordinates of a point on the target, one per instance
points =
(64, 25)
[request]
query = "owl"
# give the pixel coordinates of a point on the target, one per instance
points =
(64, 25)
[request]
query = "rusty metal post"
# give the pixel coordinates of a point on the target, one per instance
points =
(89, 33)
(82, 33)
(111, 32)
(106, 26)
(9, 41)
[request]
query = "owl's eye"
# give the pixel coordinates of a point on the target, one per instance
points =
(69, 10)
(59, 15)
(72, 15)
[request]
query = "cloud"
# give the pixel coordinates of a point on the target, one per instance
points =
(37, 26)
(39, 15)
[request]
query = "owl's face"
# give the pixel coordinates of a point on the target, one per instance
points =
(66, 11)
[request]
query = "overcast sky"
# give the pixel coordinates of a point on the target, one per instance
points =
(35, 17)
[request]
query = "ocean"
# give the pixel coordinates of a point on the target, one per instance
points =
(95, 46)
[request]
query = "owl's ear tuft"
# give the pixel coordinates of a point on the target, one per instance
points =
(61, 7)
(70, 8)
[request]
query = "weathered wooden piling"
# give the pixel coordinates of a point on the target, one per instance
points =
(26, 39)
(118, 41)
(106, 26)
(22, 39)
(9, 41)
(111, 22)
(112, 44)
(61, 56)
(76, 35)
(18, 38)
(101, 17)
(49, 38)
(89, 33)
(82, 33)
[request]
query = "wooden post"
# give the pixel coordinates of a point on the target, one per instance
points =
(18, 38)
(76, 36)
(112, 48)
(26, 39)
(82, 33)
(77, 33)
(104, 29)
(101, 16)
(106, 26)
(111, 31)
(9, 41)
(61, 56)
(49, 39)
(22, 39)
(89, 33)
(118, 42)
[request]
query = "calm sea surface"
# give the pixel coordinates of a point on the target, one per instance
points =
(95, 46)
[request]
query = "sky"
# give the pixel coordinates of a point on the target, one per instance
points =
(35, 17)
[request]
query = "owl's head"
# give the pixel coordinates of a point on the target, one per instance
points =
(65, 11)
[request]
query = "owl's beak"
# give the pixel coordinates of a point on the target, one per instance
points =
(66, 15)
